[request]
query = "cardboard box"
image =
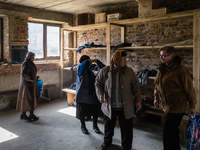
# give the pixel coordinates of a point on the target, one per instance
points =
(100, 17)
(113, 17)
(85, 18)
(159, 11)
(144, 8)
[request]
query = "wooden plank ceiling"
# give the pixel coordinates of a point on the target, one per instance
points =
(69, 6)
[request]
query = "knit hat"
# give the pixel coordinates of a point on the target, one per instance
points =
(83, 58)
(29, 55)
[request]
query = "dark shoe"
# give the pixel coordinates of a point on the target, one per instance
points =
(33, 117)
(96, 129)
(24, 116)
(104, 146)
(84, 130)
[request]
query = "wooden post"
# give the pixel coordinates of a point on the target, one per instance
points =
(61, 61)
(196, 56)
(75, 46)
(75, 39)
(108, 40)
(122, 34)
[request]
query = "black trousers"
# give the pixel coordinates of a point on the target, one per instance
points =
(126, 127)
(171, 131)
(83, 110)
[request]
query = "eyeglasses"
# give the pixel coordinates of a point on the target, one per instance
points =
(163, 56)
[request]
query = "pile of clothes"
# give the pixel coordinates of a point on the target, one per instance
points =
(144, 74)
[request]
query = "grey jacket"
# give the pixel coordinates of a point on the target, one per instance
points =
(130, 90)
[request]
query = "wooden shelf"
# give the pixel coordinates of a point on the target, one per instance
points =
(67, 68)
(156, 47)
(19, 43)
(189, 13)
(152, 78)
(131, 21)
(69, 90)
(155, 112)
(70, 48)
(138, 47)
(86, 27)
(92, 48)
(103, 48)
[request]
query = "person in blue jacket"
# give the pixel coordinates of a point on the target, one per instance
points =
(87, 103)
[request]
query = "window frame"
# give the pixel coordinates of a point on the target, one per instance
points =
(45, 25)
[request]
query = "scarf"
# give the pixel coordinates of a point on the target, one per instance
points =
(116, 63)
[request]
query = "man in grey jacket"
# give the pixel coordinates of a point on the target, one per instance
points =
(118, 90)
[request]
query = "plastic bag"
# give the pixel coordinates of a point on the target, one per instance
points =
(40, 87)
(193, 132)
(143, 109)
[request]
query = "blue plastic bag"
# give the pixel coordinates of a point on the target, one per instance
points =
(40, 87)
(143, 109)
(193, 132)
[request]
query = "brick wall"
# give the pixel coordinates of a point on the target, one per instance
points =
(15, 69)
(98, 36)
(21, 29)
(157, 32)
(141, 59)
(161, 32)
(94, 54)
(9, 70)
(5, 38)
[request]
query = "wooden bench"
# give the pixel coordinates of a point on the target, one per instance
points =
(46, 88)
(71, 95)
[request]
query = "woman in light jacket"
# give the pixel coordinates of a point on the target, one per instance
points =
(116, 85)
(28, 90)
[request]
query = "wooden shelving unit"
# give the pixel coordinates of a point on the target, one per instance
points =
(122, 23)
(156, 47)
(86, 27)
(92, 48)
(126, 22)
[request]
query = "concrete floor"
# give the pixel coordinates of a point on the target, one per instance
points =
(58, 129)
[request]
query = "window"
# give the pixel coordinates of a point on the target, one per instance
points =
(1, 39)
(44, 40)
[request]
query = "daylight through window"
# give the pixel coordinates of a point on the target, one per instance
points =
(44, 40)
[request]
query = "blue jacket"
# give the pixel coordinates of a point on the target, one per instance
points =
(85, 89)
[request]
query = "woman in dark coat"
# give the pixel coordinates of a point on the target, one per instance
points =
(28, 90)
(87, 103)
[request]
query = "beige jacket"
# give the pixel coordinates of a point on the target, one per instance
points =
(129, 87)
(174, 88)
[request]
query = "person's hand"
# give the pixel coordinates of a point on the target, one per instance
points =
(101, 99)
(156, 103)
(138, 105)
(30, 80)
(192, 111)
